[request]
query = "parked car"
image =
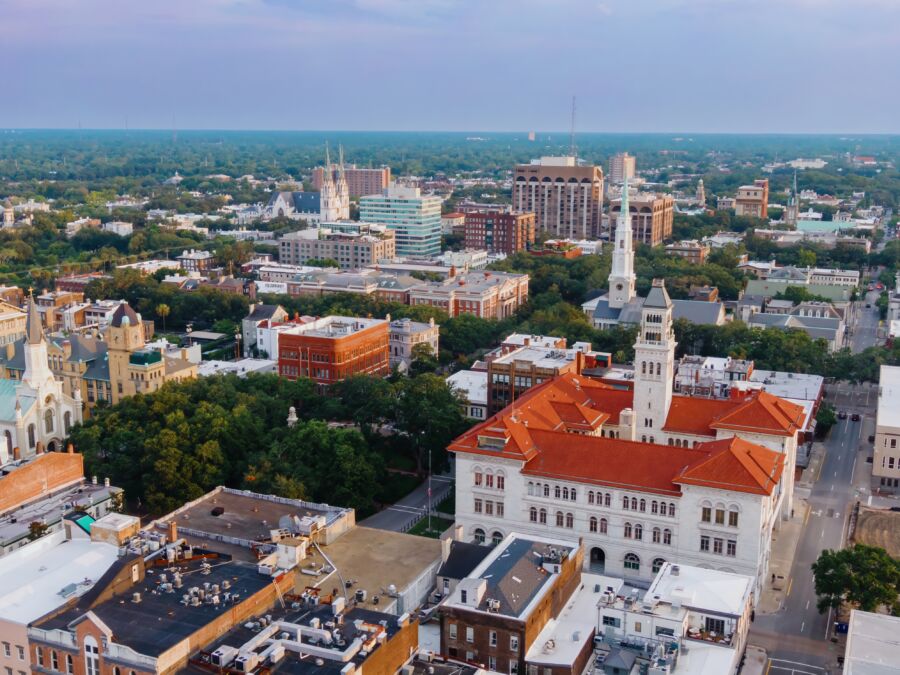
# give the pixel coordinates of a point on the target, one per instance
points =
(855, 417)
(842, 415)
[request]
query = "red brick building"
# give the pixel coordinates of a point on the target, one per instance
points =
(333, 348)
(499, 231)
(360, 182)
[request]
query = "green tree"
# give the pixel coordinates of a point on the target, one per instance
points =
(864, 576)
(429, 413)
(162, 311)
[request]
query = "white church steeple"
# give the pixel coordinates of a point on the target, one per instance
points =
(654, 365)
(621, 276)
(37, 373)
(334, 195)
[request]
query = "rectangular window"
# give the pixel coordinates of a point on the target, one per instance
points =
(492, 638)
(478, 506)
(733, 518)
(637, 626)
(611, 621)
(704, 543)
(20, 650)
(706, 514)
(489, 508)
(39, 653)
(7, 649)
(470, 656)
(470, 634)
(452, 631)
(54, 660)
(717, 546)
(499, 508)
(731, 549)
(720, 516)
(492, 663)
(716, 626)
(514, 643)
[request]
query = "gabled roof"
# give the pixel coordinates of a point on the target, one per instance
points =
(695, 415)
(763, 413)
(735, 464)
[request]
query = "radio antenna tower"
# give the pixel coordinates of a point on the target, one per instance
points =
(573, 150)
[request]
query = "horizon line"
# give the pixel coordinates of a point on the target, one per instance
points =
(448, 131)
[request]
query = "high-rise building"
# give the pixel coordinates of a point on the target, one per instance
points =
(360, 181)
(415, 218)
(651, 217)
(753, 200)
(499, 231)
(621, 167)
(565, 196)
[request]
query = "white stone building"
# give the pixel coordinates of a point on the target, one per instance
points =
(644, 476)
(35, 413)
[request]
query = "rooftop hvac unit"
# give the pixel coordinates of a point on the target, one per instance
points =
(223, 656)
(361, 595)
(246, 662)
(135, 597)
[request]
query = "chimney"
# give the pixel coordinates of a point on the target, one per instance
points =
(446, 545)
(173, 531)
(70, 449)
(528, 342)
(579, 362)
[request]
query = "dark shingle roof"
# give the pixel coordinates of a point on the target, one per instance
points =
(122, 311)
(464, 557)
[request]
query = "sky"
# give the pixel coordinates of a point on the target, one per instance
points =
(757, 66)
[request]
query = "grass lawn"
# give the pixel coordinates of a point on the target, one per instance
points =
(438, 527)
(448, 506)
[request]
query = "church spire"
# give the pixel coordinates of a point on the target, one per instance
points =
(621, 276)
(33, 331)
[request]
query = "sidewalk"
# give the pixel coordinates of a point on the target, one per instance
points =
(784, 547)
(755, 661)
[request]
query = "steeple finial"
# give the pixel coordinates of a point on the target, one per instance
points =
(626, 208)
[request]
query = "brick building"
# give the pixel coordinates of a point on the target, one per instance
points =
(753, 200)
(495, 614)
(351, 250)
(566, 197)
(651, 217)
(690, 249)
(499, 231)
(360, 181)
(490, 295)
(333, 348)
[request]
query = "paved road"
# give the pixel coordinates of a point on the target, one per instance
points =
(411, 508)
(796, 636)
(865, 327)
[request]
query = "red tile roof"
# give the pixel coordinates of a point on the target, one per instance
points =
(735, 464)
(763, 413)
(692, 415)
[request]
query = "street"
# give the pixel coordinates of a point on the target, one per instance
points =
(407, 511)
(865, 327)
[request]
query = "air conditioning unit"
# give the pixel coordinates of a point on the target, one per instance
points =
(246, 662)
(223, 656)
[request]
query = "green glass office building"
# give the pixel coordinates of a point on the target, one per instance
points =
(415, 218)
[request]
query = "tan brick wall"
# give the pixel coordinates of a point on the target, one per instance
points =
(44, 474)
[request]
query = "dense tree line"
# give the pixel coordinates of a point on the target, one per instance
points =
(173, 445)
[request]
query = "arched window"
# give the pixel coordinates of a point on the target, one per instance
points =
(117, 670)
(643, 505)
(479, 536)
(70, 664)
(625, 503)
(48, 421)
(643, 367)
(530, 488)
(592, 524)
(543, 516)
(9, 443)
(657, 564)
(31, 436)
(627, 531)
(732, 516)
(570, 520)
(638, 531)
(606, 499)
(501, 480)
(67, 421)
(671, 442)
(532, 514)
(643, 439)
(604, 526)
(652, 440)
(671, 510)
(572, 494)
(478, 478)
(565, 493)
(659, 369)
(590, 496)
(667, 537)
(656, 535)
(654, 507)
(546, 490)
(497, 537)
(557, 491)
(632, 562)
(91, 656)
(634, 504)
(489, 479)
(559, 518)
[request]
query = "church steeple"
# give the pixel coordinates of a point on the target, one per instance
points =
(37, 365)
(334, 196)
(34, 332)
(654, 364)
(621, 276)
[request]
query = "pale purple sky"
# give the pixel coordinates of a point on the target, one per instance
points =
(635, 65)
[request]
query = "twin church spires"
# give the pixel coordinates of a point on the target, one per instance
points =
(334, 195)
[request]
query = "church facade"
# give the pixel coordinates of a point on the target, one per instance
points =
(35, 413)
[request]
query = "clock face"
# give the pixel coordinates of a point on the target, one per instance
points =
(619, 287)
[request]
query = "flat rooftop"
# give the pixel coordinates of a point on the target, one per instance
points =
(701, 589)
(541, 357)
(161, 620)
(336, 326)
(872, 644)
(802, 386)
(244, 515)
(41, 576)
(356, 624)
(14, 525)
(472, 383)
(889, 397)
(372, 560)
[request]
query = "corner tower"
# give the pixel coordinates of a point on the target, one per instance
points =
(125, 335)
(654, 365)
